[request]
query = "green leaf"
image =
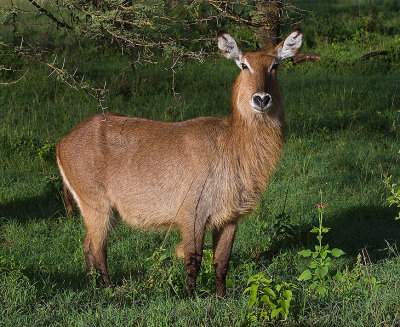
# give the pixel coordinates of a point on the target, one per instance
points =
(314, 230)
(325, 230)
(266, 300)
(269, 291)
(324, 271)
(339, 277)
(253, 295)
(285, 304)
(318, 272)
(288, 294)
(322, 290)
(337, 252)
(319, 238)
(313, 264)
(275, 312)
(229, 282)
(305, 253)
(305, 275)
(254, 278)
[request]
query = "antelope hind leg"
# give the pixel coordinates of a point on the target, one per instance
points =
(98, 225)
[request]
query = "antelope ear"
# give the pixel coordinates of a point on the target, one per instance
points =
(229, 47)
(288, 48)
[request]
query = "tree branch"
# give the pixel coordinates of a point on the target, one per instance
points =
(50, 15)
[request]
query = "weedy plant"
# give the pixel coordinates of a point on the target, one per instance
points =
(394, 197)
(169, 276)
(10, 269)
(320, 259)
(268, 300)
(355, 283)
(167, 270)
(206, 279)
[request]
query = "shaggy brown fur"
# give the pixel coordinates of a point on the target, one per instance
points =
(203, 172)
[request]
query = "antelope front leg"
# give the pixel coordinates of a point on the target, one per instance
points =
(193, 251)
(222, 243)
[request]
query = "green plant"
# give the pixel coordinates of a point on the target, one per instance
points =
(394, 197)
(268, 300)
(206, 279)
(164, 271)
(10, 270)
(321, 258)
(355, 283)
(47, 151)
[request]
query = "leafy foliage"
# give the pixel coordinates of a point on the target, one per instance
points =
(165, 271)
(268, 300)
(394, 197)
(321, 258)
(206, 279)
(355, 283)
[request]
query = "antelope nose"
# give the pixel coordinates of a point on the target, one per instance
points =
(261, 101)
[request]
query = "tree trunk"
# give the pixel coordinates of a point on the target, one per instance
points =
(267, 22)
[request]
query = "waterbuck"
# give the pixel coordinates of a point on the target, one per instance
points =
(207, 171)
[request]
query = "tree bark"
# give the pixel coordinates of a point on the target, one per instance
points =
(267, 22)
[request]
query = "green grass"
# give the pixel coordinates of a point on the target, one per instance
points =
(342, 137)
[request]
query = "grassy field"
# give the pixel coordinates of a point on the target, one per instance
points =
(342, 139)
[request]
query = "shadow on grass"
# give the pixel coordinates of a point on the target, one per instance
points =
(45, 206)
(361, 227)
(73, 281)
(367, 227)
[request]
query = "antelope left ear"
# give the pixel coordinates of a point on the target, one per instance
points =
(229, 47)
(288, 48)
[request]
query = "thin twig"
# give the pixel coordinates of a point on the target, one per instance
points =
(17, 80)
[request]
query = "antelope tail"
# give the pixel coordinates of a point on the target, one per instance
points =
(68, 199)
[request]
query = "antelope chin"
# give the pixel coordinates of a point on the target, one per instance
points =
(260, 111)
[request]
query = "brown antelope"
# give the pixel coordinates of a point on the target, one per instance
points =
(202, 172)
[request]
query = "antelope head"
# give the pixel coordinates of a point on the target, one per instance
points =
(256, 91)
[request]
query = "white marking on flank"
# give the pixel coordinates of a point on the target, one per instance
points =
(69, 185)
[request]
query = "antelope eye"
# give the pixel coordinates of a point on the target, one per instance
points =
(244, 66)
(274, 66)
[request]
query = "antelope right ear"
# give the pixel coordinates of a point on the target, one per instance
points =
(288, 48)
(229, 47)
